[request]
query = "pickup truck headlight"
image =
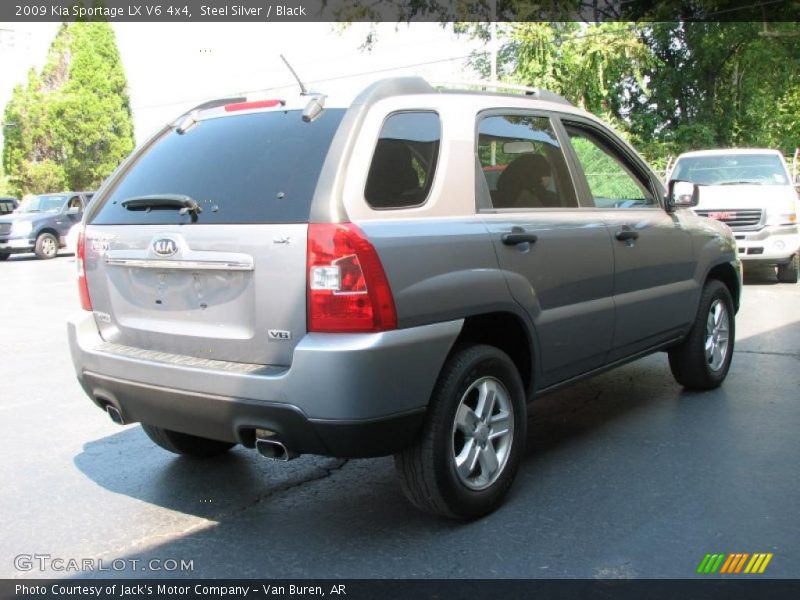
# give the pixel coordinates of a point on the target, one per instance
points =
(21, 227)
(789, 218)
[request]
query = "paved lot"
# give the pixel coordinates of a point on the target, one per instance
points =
(626, 475)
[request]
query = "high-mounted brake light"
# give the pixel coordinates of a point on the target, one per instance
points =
(253, 105)
(80, 260)
(347, 287)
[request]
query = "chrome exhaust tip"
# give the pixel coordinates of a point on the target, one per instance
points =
(114, 414)
(268, 446)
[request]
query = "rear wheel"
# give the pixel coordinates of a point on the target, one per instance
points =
(4, 256)
(702, 361)
(46, 246)
(183, 443)
(788, 273)
(465, 459)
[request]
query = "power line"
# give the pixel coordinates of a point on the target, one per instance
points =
(312, 81)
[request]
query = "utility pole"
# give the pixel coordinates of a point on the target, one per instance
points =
(493, 39)
(493, 59)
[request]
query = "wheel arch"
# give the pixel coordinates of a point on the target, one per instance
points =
(727, 274)
(510, 333)
(51, 231)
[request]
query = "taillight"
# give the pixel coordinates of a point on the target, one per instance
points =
(80, 259)
(347, 287)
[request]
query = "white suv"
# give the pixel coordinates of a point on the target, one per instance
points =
(749, 190)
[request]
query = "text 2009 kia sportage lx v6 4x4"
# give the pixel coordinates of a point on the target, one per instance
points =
(398, 277)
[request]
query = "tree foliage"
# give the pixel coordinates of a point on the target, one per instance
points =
(70, 125)
(669, 87)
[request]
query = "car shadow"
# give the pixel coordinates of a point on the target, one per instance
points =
(619, 448)
(30, 257)
(760, 275)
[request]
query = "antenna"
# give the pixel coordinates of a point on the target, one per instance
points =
(303, 90)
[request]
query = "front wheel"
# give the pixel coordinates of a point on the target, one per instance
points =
(4, 256)
(186, 444)
(465, 459)
(46, 246)
(788, 273)
(702, 361)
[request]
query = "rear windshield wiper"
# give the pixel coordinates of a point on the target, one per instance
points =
(183, 204)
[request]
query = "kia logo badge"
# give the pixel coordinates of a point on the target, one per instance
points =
(165, 247)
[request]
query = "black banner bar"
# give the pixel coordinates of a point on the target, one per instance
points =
(479, 589)
(263, 11)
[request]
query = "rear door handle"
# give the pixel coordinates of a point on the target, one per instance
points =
(624, 235)
(518, 236)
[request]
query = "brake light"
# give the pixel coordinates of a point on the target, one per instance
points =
(347, 288)
(252, 105)
(80, 260)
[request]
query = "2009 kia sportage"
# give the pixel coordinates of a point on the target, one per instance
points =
(400, 276)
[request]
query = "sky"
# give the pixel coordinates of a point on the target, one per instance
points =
(173, 67)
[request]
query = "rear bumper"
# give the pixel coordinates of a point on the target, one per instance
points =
(345, 395)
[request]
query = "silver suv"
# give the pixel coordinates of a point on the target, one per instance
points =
(400, 276)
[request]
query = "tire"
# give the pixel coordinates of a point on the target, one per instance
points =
(185, 444)
(46, 246)
(427, 470)
(4, 256)
(788, 273)
(692, 365)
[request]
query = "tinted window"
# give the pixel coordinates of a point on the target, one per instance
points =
(523, 164)
(250, 168)
(731, 169)
(404, 163)
(612, 182)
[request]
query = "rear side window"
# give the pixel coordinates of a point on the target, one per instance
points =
(250, 168)
(523, 164)
(404, 162)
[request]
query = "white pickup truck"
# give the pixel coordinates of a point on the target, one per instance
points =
(751, 191)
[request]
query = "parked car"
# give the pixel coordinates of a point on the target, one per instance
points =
(345, 282)
(8, 205)
(749, 190)
(41, 224)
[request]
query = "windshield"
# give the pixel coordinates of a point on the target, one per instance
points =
(731, 169)
(34, 204)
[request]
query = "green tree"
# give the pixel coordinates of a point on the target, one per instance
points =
(70, 126)
(668, 87)
(714, 84)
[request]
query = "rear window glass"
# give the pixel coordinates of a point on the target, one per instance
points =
(404, 163)
(250, 168)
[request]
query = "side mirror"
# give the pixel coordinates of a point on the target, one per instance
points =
(682, 194)
(73, 210)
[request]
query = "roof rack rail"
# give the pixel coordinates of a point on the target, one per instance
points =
(539, 93)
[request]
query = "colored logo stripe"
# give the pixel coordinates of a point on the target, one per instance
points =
(710, 563)
(758, 563)
(734, 563)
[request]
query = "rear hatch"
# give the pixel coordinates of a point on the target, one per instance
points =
(225, 281)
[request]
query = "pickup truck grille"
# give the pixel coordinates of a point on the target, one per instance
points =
(5, 228)
(734, 218)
